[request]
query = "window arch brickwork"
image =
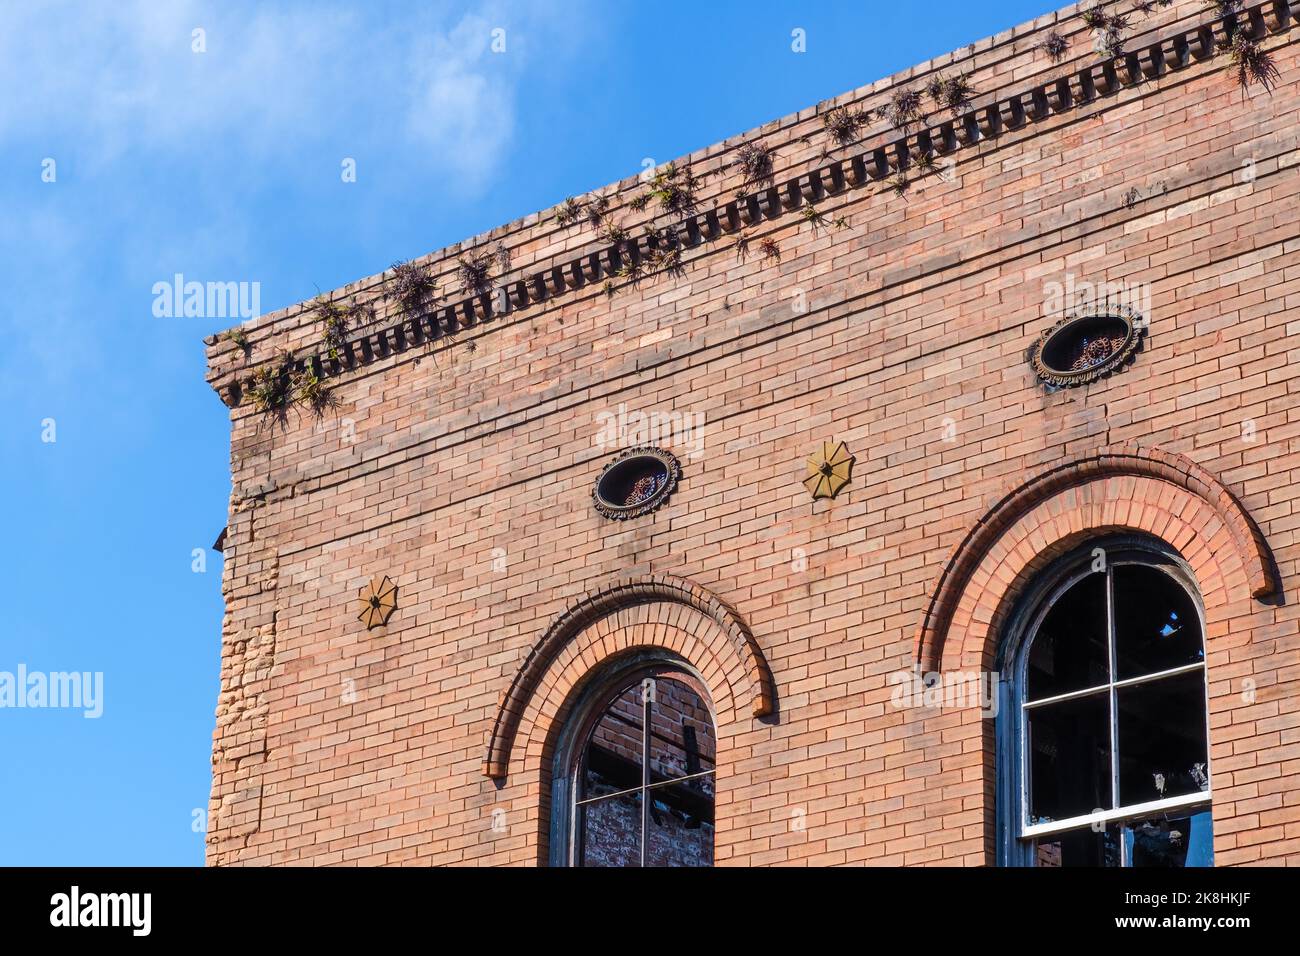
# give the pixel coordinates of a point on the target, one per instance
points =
(659, 612)
(684, 611)
(1111, 491)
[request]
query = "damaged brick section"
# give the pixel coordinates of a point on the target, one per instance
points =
(248, 664)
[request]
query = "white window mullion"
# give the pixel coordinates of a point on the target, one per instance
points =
(1114, 700)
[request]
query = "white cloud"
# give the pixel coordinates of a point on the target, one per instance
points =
(460, 102)
(122, 78)
(171, 160)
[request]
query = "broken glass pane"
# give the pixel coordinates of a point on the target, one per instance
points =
(1088, 846)
(1156, 624)
(610, 831)
(612, 760)
(1171, 840)
(681, 733)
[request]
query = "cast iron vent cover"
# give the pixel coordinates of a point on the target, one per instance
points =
(637, 482)
(1085, 346)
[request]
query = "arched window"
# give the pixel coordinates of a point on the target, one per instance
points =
(1103, 736)
(633, 778)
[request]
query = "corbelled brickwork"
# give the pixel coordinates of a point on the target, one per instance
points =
(459, 456)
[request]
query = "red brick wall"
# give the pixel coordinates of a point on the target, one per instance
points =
(463, 470)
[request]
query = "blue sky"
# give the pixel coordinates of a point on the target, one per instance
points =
(224, 165)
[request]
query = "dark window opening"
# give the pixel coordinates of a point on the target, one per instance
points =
(643, 793)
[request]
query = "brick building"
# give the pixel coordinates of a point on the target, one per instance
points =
(541, 548)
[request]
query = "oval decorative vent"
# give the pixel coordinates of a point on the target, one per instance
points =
(637, 482)
(1083, 347)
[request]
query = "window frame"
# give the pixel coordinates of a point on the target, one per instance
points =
(1016, 835)
(587, 710)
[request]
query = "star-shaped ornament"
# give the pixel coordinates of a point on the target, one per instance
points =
(378, 602)
(829, 470)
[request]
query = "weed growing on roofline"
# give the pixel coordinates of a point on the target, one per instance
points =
(270, 388)
(611, 231)
(336, 320)
(474, 270)
(284, 382)
(672, 188)
(843, 124)
(1055, 46)
(1250, 63)
(310, 390)
(1109, 29)
(952, 93)
(924, 162)
(570, 211)
(755, 162)
(239, 338)
(414, 287)
(597, 211)
(903, 109)
(742, 247)
(819, 220)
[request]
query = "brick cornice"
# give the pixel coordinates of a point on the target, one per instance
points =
(986, 118)
(462, 429)
(601, 603)
(1127, 460)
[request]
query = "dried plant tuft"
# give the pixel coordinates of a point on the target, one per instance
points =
(1096, 18)
(1251, 63)
(665, 257)
(337, 321)
(1055, 46)
(755, 162)
(414, 287)
(952, 93)
(569, 212)
(609, 230)
(925, 163)
(843, 124)
(1109, 29)
(672, 188)
(597, 211)
(277, 386)
(903, 109)
(474, 270)
(239, 338)
(310, 390)
(269, 388)
(819, 220)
